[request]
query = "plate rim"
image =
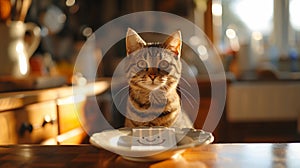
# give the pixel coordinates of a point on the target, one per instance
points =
(120, 150)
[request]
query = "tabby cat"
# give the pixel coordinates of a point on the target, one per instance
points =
(153, 73)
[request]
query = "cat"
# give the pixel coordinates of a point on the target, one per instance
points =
(153, 72)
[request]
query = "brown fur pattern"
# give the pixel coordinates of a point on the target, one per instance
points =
(153, 73)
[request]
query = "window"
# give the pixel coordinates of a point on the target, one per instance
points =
(265, 31)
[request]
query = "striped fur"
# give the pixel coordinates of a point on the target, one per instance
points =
(153, 71)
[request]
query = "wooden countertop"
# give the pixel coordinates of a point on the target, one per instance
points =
(246, 155)
(12, 100)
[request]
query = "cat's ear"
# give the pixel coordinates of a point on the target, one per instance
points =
(174, 43)
(133, 41)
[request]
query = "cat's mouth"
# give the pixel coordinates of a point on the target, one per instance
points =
(153, 86)
(150, 82)
(155, 83)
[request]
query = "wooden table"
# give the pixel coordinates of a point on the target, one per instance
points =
(262, 155)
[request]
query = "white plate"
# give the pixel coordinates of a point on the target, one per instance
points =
(119, 142)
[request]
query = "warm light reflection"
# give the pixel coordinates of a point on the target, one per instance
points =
(194, 40)
(26, 153)
(179, 162)
(70, 2)
(87, 31)
(47, 118)
(230, 33)
(202, 52)
(20, 47)
(257, 36)
(65, 136)
(71, 100)
(233, 39)
(23, 65)
(257, 43)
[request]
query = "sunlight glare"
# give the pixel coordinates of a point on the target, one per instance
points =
(256, 14)
(295, 14)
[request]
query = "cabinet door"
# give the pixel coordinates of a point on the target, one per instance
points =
(37, 122)
(71, 118)
(8, 127)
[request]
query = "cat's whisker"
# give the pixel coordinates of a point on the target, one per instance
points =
(188, 100)
(138, 81)
(189, 94)
(188, 97)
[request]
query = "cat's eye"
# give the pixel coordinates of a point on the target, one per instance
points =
(142, 64)
(163, 64)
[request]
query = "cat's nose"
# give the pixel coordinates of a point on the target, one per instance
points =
(152, 77)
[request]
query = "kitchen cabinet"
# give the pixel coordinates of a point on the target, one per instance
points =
(47, 116)
(263, 111)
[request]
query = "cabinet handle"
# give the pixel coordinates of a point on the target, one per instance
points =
(29, 127)
(26, 127)
(48, 120)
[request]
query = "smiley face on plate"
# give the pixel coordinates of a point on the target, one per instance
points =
(152, 138)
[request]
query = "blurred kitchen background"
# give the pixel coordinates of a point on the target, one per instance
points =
(257, 40)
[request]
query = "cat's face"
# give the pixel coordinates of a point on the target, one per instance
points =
(153, 65)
